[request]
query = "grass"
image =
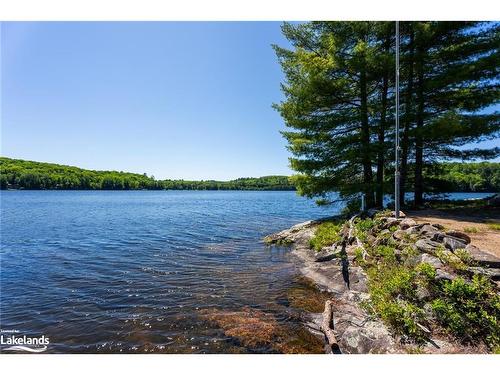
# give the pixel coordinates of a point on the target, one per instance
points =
(326, 234)
(471, 230)
(494, 226)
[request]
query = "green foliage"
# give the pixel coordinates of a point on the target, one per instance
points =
(494, 226)
(470, 230)
(392, 291)
(426, 270)
(449, 177)
(470, 310)
(339, 114)
(34, 175)
(326, 234)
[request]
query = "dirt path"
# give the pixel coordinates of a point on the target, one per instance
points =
(475, 224)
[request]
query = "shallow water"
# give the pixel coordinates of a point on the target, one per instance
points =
(151, 271)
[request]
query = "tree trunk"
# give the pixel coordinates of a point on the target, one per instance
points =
(405, 146)
(381, 133)
(419, 143)
(365, 141)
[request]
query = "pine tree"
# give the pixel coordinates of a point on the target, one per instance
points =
(332, 87)
(457, 67)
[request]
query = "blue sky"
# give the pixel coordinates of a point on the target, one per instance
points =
(175, 100)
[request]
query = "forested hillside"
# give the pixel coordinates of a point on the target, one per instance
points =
(23, 174)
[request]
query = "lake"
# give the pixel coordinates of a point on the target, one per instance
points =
(150, 271)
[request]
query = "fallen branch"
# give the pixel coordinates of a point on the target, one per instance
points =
(327, 327)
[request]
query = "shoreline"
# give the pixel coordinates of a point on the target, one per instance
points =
(337, 269)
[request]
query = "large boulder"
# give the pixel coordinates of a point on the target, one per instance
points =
(429, 259)
(453, 243)
(443, 275)
(492, 273)
(427, 245)
(407, 223)
(483, 258)
(390, 222)
(428, 229)
(460, 235)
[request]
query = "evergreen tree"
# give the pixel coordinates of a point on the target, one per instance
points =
(332, 88)
(339, 99)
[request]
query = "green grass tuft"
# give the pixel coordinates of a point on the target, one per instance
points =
(326, 234)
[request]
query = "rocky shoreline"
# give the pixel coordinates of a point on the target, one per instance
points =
(338, 269)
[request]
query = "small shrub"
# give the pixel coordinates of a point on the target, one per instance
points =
(358, 255)
(464, 256)
(326, 234)
(386, 252)
(452, 260)
(363, 227)
(494, 226)
(471, 230)
(403, 317)
(426, 270)
(470, 310)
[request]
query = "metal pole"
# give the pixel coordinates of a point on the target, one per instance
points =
(396, 173)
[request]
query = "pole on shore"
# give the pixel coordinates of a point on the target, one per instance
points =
(397, 173)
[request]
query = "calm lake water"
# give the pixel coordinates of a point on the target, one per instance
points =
(140, 271)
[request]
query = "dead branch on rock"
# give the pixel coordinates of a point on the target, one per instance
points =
(327, 327)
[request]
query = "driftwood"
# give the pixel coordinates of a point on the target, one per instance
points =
(327, 327)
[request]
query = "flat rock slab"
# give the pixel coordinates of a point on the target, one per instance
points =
(482, 257)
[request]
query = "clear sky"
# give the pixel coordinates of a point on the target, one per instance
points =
(176, 100)
(173, 99)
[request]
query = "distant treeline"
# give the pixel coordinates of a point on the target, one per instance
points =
(465, 177)
(23, 174)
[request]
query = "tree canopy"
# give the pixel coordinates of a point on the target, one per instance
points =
(339, 102)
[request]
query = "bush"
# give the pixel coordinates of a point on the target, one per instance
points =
(326, 234)
(470, 310)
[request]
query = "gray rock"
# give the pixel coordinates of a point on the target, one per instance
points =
(483, 258)
(407, 222)
(428, 229)
(428, 311)
(422, 293)
(402, 215)
(453, 243)
(459, 235)
(443, 275)
(326, 255)
(399, 234)
(427, 246)
(438, 226)
(429, 259)
(438, 237)
(492, 273)
(390, 222)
